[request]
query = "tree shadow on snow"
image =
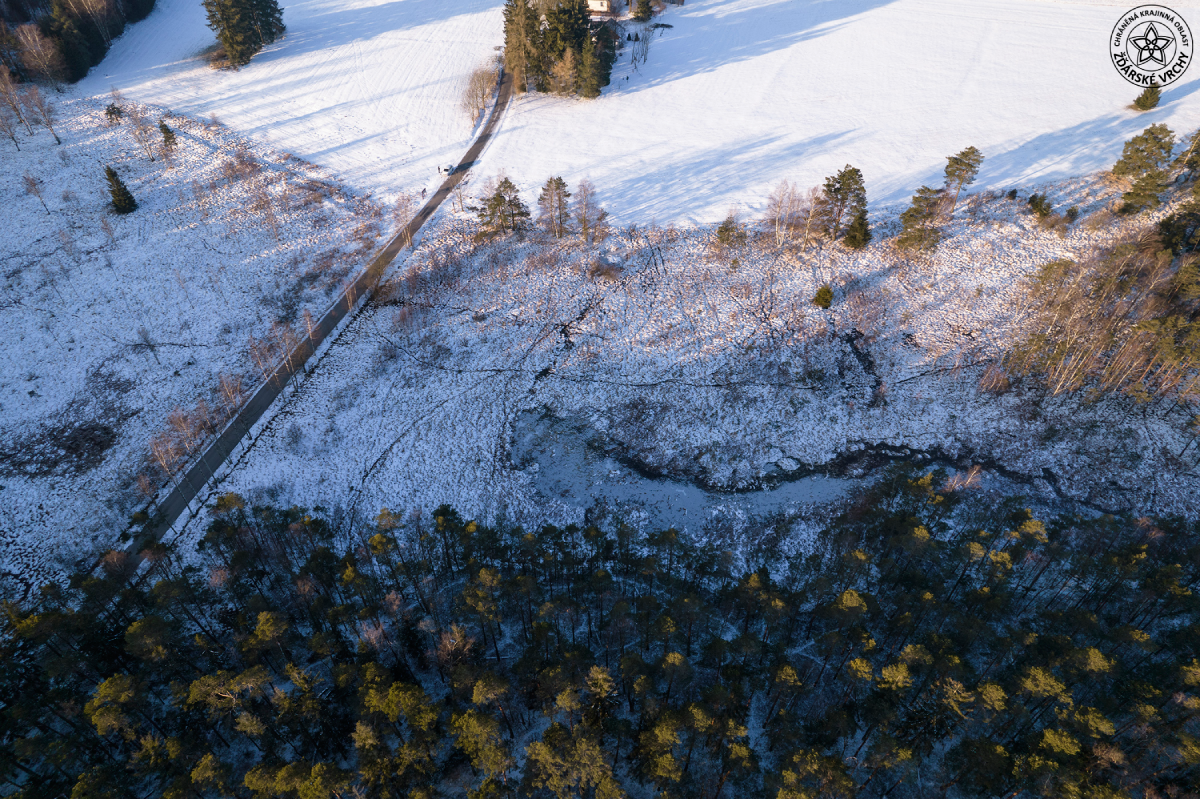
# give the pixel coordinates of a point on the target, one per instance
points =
(704, 40)
(727, 170)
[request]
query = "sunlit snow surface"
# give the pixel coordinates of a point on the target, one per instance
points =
(368, 88)
(735, 96)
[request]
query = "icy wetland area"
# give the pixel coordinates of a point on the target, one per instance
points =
(676, 382)
(517, 377)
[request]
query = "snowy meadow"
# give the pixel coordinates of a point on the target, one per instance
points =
(127, 338)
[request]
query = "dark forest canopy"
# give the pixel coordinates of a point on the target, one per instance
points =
(911, 654)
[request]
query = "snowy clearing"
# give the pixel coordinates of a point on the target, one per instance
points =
(368, 88)
(737, 95)
(105, 332)
(740, 94)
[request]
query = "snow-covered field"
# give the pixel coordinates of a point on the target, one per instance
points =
(706, 366)
(741, 93)
(104, 332)
(367, 88)
(737, 95)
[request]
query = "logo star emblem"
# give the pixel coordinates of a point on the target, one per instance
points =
(1151, 46)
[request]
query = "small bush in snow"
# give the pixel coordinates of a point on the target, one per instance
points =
(122, 199)
(1040, 205)
(1148, 99)
(730, 233)
(824, 297)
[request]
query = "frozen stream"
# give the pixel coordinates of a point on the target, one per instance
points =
(566, 465)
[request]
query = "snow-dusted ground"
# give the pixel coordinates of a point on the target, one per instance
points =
(196, 267)
(737, 95)
(367, 88)
(675, 360)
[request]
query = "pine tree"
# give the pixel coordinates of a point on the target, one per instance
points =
(919, 221)
(167, 134)
(554, 210)
(1040, 205)
(122, 199)
(643, 11)
(1150, 149)
(1145, 192)
(1188, 160)
(504, 211)
(844, 194)
(1148, 99)
(824, 297)
(858, 235)
(961, 170)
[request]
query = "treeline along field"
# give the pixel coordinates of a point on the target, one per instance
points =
(931, 644)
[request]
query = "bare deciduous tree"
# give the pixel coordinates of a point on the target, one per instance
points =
(39, 55)
(403, 211)
(10, 97)
(590, 217)
(783, 206)
(641, 50)
(8, 125)
(479, 90)
(262, 205)
(562, 74)
(40, 109)
(143, 131)
(33, 186)
(230, 389)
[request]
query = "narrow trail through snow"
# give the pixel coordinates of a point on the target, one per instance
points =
(180, 499)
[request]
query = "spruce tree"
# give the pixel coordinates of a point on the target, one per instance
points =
(237, 27)
(588, 83)
(122, 199)
(566, 28)
(1150, 149)
(1148, 99)
(858, 234)
(61, 28)
(520, 35)
(167, 134)
(267, 17)
(643, 11)
(920, 221)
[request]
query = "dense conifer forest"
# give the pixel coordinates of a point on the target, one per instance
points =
(61, 40)
(932, 643)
